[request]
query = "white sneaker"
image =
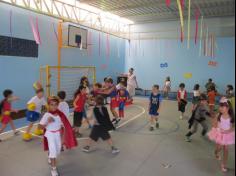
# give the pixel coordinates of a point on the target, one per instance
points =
(54, 172)
(115, 150)
(181, 117)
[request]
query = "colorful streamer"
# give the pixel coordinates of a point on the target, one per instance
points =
(207, 39)
(181, 14)
(182, 4)
(201, 33)
(181, 35)
(168, 2)
(197, 13)
(99, 44)
(35, 31)
(108, 46)
(189, 21)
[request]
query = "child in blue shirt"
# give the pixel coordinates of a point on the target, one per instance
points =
(154, 107)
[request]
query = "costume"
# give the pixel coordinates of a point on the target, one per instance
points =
(221, 135)
(182, 96)
(79, 110)
(122, 97)
(113, 97)
(6, 111)
(131, 84)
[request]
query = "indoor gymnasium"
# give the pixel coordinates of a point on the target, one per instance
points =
(117, 87)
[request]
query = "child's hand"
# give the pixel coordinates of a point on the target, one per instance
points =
(51, 119)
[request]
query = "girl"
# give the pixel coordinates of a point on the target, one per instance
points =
(57, 131)
(63, 105)
(196, 96)
(182, 99)
(6, 110)
(154, 107)
(102, 126)
(35, 105)
(167, 87)
(80, 98)
(223, 133)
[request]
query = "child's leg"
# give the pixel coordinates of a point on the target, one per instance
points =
(217, 151)
(225, 158)
(53, 162)
(3, 127)
(13, 126)
(29, 127)
(114, 113)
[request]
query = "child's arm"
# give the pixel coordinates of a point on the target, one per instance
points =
(108, 91)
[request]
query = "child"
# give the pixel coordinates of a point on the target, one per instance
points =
(80, 98)
(122, 98)
(85, 82)
(229, 91)
(54, 122)
(112, 92)
(223, 134)
(63, 105)
(182, 99)
(154, 107)
(102, 126)
(6, 110)
(96, 88)
(167, 87)
(196, 96)
(212, 98)
(200, 114)
(33, 114)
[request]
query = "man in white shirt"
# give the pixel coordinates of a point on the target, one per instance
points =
(132, 83)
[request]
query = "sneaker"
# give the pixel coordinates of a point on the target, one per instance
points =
(188, 139)
(113, 120)
(151, 128)
(54, 172)
(114, 150)
(157, 125)
(16, 133)
(86, 149)
(117, 121)
(181, 117)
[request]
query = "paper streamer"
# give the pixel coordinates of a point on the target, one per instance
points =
(168, 2)
(201, 33)
(197, 13)
(207, 35)
(189, 21)
(103, 66)
(35, 31)
(182, 4)
(181, 14)
(181, 35)
(188, 75)
(108, 46)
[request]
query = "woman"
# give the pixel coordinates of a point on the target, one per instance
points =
(132, 83)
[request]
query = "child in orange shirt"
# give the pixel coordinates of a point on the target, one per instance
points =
(212, 98)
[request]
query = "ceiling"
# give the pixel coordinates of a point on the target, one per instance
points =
(150, 11)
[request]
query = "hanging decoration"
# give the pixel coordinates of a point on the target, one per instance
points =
(108, 46)
(181, 17)
(197, 13)
(189, 22)
(11, 33)
(188, 75)
(201, 34)
(99, 44)
(35, 30)
(89, 43)
(168, 2)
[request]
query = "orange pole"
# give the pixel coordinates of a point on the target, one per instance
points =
(59, 56)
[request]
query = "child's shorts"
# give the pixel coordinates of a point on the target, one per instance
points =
(99, 132)
(182, 105)
(153, 112)
(78, 117)
(54, 143)
(32, 116)
(113, 103)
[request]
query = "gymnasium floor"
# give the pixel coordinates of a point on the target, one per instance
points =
(163, 152)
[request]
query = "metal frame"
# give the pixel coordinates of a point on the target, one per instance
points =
(73, 14)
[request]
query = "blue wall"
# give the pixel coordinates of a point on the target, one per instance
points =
(146, 57)
(18, 73)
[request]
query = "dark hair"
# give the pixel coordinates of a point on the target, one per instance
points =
(105, 79)
(203, 97)
(196, 87)
(83, 79)
(53, 99)
(230, 112)
(39, 90)
(99, 100)
(168, 78)
(230, 87)
(210, 80)
(182, 85)
(61, 95)
(156, 86)
(132, 69)
(7, 93)
(212, 88)
(78, 91)
(109, 80)
(99, 85)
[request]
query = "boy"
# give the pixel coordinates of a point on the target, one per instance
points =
(6, 110)
(122, 98)
(182, 99)
(102, 126)
(154, 107)
(34, 106)
(199, 117)
(63, 105)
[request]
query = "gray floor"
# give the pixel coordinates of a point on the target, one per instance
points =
(162, 152)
